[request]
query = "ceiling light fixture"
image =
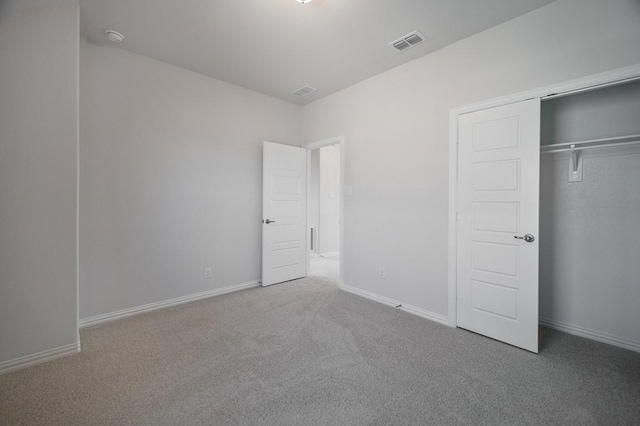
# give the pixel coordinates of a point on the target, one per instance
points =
(304, 1)
(114, 36)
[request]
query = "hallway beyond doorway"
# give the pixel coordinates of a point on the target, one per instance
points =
(327, 267)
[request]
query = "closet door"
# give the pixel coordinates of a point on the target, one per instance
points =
(498, 198)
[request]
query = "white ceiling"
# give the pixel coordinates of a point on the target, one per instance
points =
(277, 46)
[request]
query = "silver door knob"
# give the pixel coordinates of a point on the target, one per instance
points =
(528, 238)
(269, 221)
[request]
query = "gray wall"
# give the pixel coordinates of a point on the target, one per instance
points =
(38, 180)
(324, 211)
(171, 179)
(590, 230)
(329, 206)
(314, 195)
(396, 125)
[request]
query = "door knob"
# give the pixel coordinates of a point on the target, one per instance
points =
(528, 238)
(269, 221)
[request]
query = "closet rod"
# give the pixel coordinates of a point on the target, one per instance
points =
(594, 143)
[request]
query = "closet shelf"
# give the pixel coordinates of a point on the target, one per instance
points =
(575, 170)
(590, 144)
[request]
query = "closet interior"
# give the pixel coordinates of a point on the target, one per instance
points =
(590, 214)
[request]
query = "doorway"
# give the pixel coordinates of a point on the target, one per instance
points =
(324, 204)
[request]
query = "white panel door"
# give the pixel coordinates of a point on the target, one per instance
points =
(498, 198)
(284, 213)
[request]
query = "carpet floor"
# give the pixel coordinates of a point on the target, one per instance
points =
(306, 353)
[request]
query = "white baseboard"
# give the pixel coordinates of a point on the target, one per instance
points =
(38, 358)
(85, 322)
(442, 319)
(329, 254)
(590, 334)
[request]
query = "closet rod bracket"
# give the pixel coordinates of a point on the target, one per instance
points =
(575, 171)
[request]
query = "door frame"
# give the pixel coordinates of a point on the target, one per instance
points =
(584, 84)
(310, 146)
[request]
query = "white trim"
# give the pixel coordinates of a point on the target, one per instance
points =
(453, 219)
(39, 358)
(441, 319)
(592, 82)
(165, 304)
(78, 181)
(323, 143)
(578, 85)
(331, 253)
(591, 334)
(343, 161)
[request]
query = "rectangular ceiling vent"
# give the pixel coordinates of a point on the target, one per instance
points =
(304, 91)
(407, 41)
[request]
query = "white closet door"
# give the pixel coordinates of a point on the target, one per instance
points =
(498, 199)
